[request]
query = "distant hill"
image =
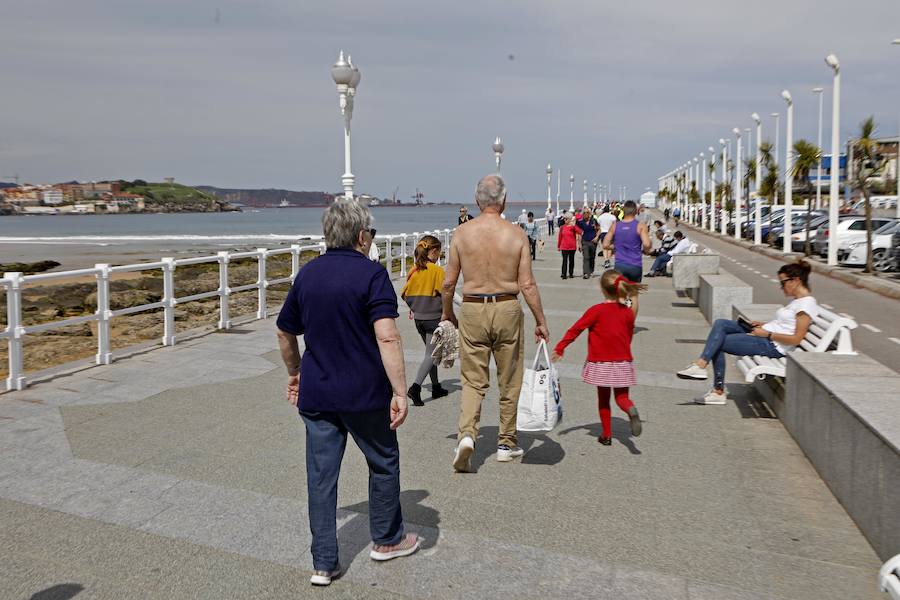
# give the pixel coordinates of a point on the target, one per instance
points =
(4, 185)
(268, 197)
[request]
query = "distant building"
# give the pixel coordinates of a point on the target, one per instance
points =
(83, 209)
(825, 181)
(169, 180)
(886, 149)
(52, 196)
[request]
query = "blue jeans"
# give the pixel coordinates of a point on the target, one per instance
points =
(727, 337)
(326, 438)
(660, 262)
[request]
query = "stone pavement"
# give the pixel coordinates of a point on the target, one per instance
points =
(178, 473)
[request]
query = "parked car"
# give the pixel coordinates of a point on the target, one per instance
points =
(849, 229)
(882, 249)
(767, 212)
(798, 232)
(775, 234)
(896, 251)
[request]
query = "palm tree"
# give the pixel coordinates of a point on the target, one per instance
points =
(749, 174)
(867, 163)
(806, 157)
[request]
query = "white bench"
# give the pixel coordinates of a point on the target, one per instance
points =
(825, 329)
(889, 577)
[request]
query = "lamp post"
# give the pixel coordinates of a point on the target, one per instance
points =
(585, 192)
(571, 193)
(703, 175)
(595, 193)
(819, 90)
(346, 76)
(777, 164)
(497, 147)
(788, 170)
(557, 192)
(897, 170)
(549, 176)
(757, 220)
(712, 190)
(832, 61)
(695, 171)
(723, 227)
(738, 184)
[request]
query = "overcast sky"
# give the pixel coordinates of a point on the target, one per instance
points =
(237, 93)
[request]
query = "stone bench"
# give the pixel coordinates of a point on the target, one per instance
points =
(687, 268)
(719, 292)
(842, 411)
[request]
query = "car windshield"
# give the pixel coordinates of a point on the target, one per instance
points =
(888, 228)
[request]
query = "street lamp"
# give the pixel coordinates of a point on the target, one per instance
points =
(571, 193)
(702, 190)
(777, 167)
(557, 191)
(585, 192)
(788, 170)
(346, 75)
(712, 190)
(549, 175)
(757, 224)
(819, 90)
(738, 185)
(897, 170)
(695, 173)
(724, 143)
(497, 147)
(832, 61)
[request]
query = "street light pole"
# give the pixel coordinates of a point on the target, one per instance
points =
(897, 170)
(346, 76)
(702, 190)
(712, 189)
(571, 193)
(777, 150)
(723, 227)
(738, 185)
(832, 61)
(757, 220)
(585, 192)
(557, 192)
(788, 170)
(497, 147)
(549, 176)
(819, 90)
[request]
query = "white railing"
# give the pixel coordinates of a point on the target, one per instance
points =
(391, 247)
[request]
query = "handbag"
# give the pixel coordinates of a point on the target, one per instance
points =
(539, 406)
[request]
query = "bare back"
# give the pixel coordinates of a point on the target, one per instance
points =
(490, 251)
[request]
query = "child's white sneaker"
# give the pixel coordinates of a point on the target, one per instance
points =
(712, 397)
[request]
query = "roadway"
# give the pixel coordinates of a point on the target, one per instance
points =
(878, 334)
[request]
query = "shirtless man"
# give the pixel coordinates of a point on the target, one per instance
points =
(495, 259)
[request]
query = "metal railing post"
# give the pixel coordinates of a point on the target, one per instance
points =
(224, 292)
(104, 346)
(403, 255)
(388, 261)
(168, 301)
(16, 378)
(262, 311)
(322, 248)
(295, 260)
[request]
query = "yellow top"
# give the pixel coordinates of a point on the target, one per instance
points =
(422, 291)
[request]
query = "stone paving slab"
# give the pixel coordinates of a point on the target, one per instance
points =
(179, 473)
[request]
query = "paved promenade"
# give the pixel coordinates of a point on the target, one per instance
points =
(178, 473)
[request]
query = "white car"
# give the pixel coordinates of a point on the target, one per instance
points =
(849, 230)
(881, 249)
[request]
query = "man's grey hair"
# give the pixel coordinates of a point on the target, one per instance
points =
(491, 191)
(342, 222)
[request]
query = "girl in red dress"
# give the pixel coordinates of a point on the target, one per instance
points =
(609, 364)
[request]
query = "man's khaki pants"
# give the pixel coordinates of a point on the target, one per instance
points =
(484, 329)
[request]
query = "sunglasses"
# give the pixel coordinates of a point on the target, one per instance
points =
(781, 282)
(372, 232)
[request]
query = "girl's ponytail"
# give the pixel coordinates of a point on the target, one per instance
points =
(423, 248)
(617, 286)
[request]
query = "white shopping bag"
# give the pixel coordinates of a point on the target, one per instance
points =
(539, 402)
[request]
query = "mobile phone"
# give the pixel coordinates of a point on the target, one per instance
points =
(745, 324)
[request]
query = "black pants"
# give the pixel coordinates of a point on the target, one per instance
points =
(533, 243)
(588, 257)
(550, 225)
(568, 264)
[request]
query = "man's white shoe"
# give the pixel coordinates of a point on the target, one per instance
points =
(506, 454)
(693, 372)
(325, 577)
(464, 450)
(712, 397)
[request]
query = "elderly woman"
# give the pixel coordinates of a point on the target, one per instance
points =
(773, 339)
(345, 305)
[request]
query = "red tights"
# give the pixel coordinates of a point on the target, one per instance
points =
(603, 406)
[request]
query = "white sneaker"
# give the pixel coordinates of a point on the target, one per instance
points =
(325, 577)
(506, 454)
(693, 372)
(712, 397)
(464, 450)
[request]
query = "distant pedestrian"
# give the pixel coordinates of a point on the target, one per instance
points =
(666, 215)
(630, 238)
(551, 222)
(464, 216)
(523, 218)
(682, 246)
(422, 294)
(676, 214)
(606, 221)
(568, 241)
(492, 256)
(345, 307)
(589, 238)
(533, 231)
(609, 364)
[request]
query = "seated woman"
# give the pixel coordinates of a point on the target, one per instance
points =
(773, 339)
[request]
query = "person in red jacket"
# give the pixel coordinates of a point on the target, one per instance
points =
(609, 363)
(568, 240)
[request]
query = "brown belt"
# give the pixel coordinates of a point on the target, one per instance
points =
(490, 298)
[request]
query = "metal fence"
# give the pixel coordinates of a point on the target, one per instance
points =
(391, 248)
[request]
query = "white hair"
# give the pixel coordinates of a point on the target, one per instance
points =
(491, 191)
(342, 222)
